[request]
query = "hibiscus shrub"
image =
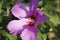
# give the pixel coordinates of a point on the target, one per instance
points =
(13, 16)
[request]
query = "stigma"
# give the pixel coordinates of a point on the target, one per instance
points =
(30, 21)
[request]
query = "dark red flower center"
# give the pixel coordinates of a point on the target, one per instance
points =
(31, 20)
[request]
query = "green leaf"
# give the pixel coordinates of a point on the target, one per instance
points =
(55, 20)
(44, 36)
(8, 10)
(53, 16)
(0, 18)
(39, 35)
(9, 36)
(1, 3)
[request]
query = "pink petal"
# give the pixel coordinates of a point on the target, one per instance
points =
(58, 38)
(33, 4)
(16, 26)
(19, 10)
(41, 17)
(29, 33)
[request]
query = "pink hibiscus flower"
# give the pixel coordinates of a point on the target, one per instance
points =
(29, 17)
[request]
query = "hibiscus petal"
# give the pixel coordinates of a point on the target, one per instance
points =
(29, 33)
(33, 4)
(41, 17)
(19, 10)
(16, 26)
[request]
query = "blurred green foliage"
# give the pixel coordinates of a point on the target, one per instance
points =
(50, 30)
